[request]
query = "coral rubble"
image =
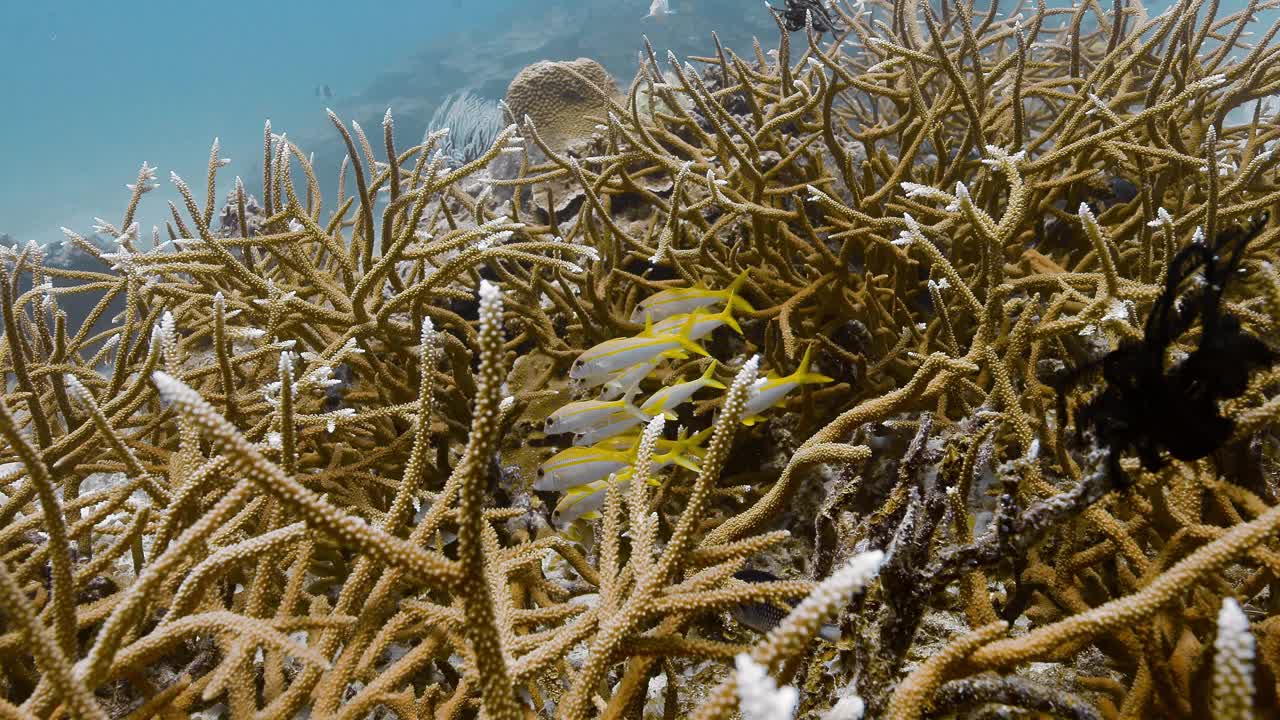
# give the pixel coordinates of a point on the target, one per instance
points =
(292, 463)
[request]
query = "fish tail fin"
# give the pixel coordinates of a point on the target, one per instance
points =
(691, 445)
(802, 374)
(708, 381)
(629, 406)
(684, 462)
(734, 298)
(726, 314)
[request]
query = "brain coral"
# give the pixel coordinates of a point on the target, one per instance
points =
(561, 97)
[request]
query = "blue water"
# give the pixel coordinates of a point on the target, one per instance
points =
(91, 88)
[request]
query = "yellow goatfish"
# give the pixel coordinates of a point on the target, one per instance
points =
(677, 449)
(771, 390)
(704, 323)
(584, 415)
(585, 501)
(679, 301)
(624, 381)
(617, 354)
(619, 422)
(577, 466)
(682, 449)
(672, 396)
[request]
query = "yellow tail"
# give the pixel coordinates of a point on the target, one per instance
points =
(734, 300)
(682, 337)
(709, 381)
(802, 375)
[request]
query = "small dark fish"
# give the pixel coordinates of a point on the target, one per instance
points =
(334, 394)
(795, 11)
(764, 616)
(317, 91)
(327, 91)
(1122, 190)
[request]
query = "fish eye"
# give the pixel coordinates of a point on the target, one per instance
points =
(541, 472)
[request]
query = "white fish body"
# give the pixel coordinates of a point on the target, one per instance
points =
(766, 392)
(583, 415)
(704, 323)
(672, 396)
(659, 9)
(614, 424)
(577, 466)
(628, 380)
(618, 354)
(681, 301)
(584, 500)
(589, 376)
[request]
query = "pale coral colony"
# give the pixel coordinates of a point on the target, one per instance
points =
(815, 334)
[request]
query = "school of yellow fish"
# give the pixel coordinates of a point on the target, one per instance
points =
(606, 429)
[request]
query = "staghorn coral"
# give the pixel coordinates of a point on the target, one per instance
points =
(296, 472)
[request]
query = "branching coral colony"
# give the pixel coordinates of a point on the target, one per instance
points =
(299, 472)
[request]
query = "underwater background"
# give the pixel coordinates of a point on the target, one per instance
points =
(93, 89)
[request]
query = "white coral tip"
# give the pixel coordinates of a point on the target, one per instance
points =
(759, 697)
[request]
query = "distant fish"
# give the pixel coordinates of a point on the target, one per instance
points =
(327, 91)
(658, 10)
